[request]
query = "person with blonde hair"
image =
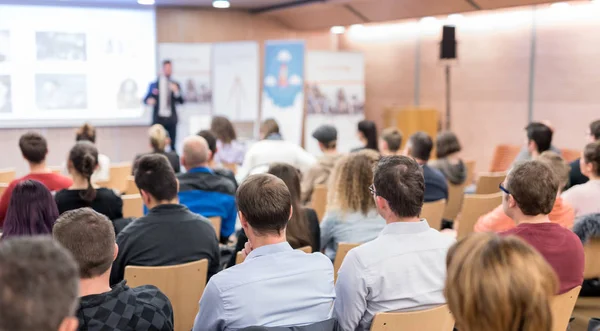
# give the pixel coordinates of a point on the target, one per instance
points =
(159, 140)
(499, 284)
(351, 213)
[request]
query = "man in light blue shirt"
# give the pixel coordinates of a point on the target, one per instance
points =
(275, 285)
(405, 267)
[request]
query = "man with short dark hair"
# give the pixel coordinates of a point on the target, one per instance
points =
(202, 190)
(539, 140)
(319, 173)
(419, 147)
(90, 237)
(38, 286)
(530, 189)
(576, 177)
(275, 285)
(390, 141)
(34, 149)
(170, 233)
(403, 269)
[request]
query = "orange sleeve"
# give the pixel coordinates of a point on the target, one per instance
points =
(5, 200)
(494, 221)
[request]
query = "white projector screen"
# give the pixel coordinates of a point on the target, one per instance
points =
(61, 66)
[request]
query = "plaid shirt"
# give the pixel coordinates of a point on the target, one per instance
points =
(125, 308)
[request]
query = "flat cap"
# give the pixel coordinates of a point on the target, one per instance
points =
(325, 134)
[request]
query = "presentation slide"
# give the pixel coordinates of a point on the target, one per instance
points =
(61, 66)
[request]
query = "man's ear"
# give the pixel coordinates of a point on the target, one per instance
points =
(511, 201)
(69, 324)
(381, 203)
(116, 252)
(146, 199)
(243, 220)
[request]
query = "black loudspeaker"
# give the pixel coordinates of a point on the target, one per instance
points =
(448, 44)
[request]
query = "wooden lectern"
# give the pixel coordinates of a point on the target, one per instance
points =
(411, 120)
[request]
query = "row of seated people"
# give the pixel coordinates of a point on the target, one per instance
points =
(485, 279)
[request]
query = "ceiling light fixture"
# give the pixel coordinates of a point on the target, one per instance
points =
(145, 2)
(559, 5)
(337, 29)
(221, 4)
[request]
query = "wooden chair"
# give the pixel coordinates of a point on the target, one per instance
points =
(470, 165)
(475, 206)
(504, 155)
(562, 307)
(131, 187)
(488, 183)
(183, 284)
(588, 307)
(119, 176)
(306, 249)
(216, 223)
(342, 251)
(7, 175)
(435, 319)
(231, 166)
(456, 194)
(433, 213)
(319, 200)
(3, 187)
(56, 170)
(570, 155)
(239, 258)
(133, 206)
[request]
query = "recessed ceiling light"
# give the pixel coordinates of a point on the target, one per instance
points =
(146, 2)
(337, 29)
(221, 4)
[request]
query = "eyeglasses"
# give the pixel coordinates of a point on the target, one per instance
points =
(503, 189)
(372, 189)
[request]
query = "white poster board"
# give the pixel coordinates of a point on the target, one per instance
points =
(335, 96)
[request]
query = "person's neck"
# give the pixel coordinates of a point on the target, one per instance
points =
(331, 151)
(535, 154)
(79, 182)
(201, 165)
(96, 285)
(593, 177)
(38, 168)
(420, 162)
(260, 241)
(396, 219)
(153, 204)
(537, 219)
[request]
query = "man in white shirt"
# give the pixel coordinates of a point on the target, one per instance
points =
(403, 269)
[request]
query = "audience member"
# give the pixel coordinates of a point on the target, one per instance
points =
(32, 211)
(229, 149)
(90, 237)
(585, 198)
(303, 228)
(203, 191)
(34, 150)
(275, 285)
(38, 286)
(367, 134)
(170, 233)
(83, 161)
(326, 135)
(273, 149)
(539, 140)
(217, 168)
(88, 133)
(351, 215)
(403, 269)
(562, 213)
(390, 142)
(499, 284)
(587, 228)
(419, 147)
(529, 193)
(159, 140)
(576, 177)
(448, 159)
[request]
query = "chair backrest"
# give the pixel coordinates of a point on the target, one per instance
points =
(239, 257)
(592, 264)
(131, 187)
(231, 166)
(456, 195)
(319, 200)
(119, 175)
(7, 175)
(504, 155)
(342, 251)
(133, 206)
(433, 213)
(470, 165)
(56, 169)
(570, 155)
(562, 307)
(3, 187)
(435, 319)
(475, 206)
(489, 183)
(183, 284)
(306, 249)
(216, 223)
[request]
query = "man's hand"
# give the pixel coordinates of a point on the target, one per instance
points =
(174, 88)
(247, 249)
(151, 101)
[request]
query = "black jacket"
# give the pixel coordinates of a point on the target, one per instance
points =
(171, 156)
(575, 176)
(154, 93)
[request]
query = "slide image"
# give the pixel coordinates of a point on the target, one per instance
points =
(196, 90)
(56, 91)
(60, 46)
(128, 97)
(5, 105)
(4, 45)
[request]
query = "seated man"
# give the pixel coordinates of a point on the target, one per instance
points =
(419, 147)
(390, 141)
(202, 190)
(275, 285)
(170, 233)
(34, 149)
(90, 237)
(529, 193)
(319, 173)
(38, 286)
(405, 267)
(539, 140)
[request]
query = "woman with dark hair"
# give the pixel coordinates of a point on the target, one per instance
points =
(88, 133)
(367, 134)
(229, 150)
(83, 161)
(448, 159)
(32, 211)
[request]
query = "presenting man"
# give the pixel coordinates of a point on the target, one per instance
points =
(163, 95)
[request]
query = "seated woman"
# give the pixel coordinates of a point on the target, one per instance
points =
(159, 140)
(351, 215)
(499, 284)
(229, 149)
(562, 213)
(83, 161)
(367, 134)
(88, 133)
(448, 158)
(585, 198)
(31, 211)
